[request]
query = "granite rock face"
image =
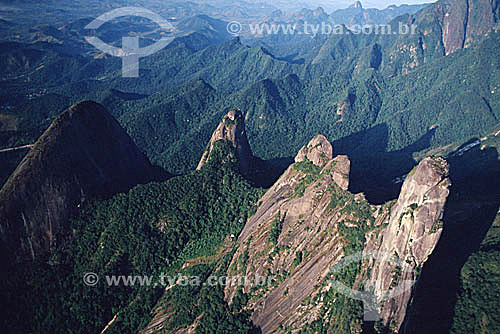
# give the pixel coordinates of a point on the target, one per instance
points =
(84, 153)
(302, 214)
(308, 222)
(413, 230)
(232, 129)
(309, 204)
(465, 21)
(319, 151)
(441, 29)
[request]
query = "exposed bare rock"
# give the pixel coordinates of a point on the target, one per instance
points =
(83, 153)
(482, 16)
(466, 21)
(308, 227)
(308, 222)
(319, 151)
(305, 208)
(357, 5)
(442, 28)
(413, 230)
(339, 168)
(232, 129)
(454, 25)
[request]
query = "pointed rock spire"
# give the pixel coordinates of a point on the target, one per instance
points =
(357, 5)
(413, 230)
(232, 129)
(84, 153)
(319, 151)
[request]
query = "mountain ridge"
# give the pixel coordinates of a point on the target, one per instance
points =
(84, 153)
(309, 215)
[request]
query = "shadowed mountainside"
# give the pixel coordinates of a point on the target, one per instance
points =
(84, 153)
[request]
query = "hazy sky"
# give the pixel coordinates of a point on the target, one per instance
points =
(384, 3)
(368, 3)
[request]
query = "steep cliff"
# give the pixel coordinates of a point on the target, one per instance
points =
(232, 129)
(465, 21)
(308, 222)
(413, 229)
(83, 153)
(440, 29)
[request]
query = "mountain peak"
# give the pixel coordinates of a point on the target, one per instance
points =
(413, 230)
(319, 11)
(319, 151)
(84, 153)
(357, 5)
(231, 129)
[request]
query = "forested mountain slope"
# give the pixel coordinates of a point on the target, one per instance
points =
(83, 154)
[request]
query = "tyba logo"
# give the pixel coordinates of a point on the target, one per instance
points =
(130, 51)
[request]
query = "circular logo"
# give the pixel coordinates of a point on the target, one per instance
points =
(130, 51)
(90, 279)
(234, 28)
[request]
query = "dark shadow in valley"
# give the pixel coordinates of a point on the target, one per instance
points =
(374, 171)
(256, 330)
(8, 163)
(374, 327)
(368, 327)
(128, 96)
(266, 172)
(293, 59)
(289, 59)
(469, 213)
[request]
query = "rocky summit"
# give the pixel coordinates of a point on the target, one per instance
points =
(231, 129)
(84, 153)
(319, 151)
(274, 169)
(412, 231)
(299, 232)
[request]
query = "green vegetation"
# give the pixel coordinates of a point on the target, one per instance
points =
(437, 226)
(312, 174)
(243, 260)
(171, 113)
(152, 229)
(339, 313)
(276, 228)
(218, 316)
(378, 111)
(480, 283)
(298, 259)
(412, 172)
(396, 273)
(306, 167)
